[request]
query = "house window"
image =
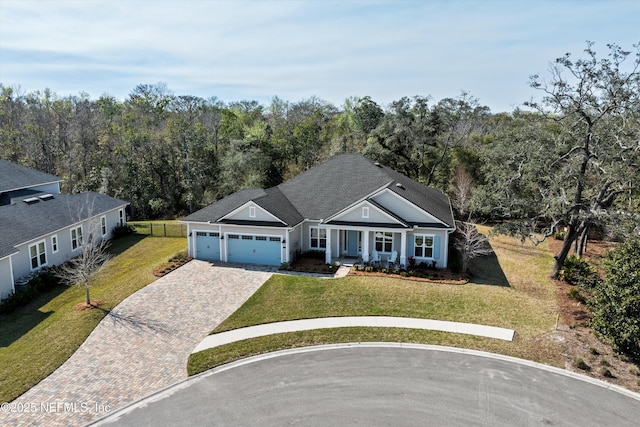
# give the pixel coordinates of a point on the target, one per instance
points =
(318, 238)
(54, 244)
(103, 225)
(121, 217)
(76, 237)
(384, 242)
(38, 255)
(365, 212)
(252, 211)
(423, 246)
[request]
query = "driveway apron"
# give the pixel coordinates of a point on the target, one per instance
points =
(140, 347)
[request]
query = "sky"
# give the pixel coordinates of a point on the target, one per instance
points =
(294, 49)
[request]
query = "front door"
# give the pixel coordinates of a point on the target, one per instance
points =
(353, 242)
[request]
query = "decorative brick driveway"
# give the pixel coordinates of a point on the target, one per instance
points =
(141, 347)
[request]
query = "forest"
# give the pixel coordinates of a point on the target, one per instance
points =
(567, 162)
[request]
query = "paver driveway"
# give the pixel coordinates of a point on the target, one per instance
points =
(141, 347)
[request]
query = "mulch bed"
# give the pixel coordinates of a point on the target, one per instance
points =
(169, 266)
(84, 306)
(454, 279)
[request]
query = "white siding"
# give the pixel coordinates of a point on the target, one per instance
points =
(244, 214)
(6, 280)
(375, 215)
(22, 261)
(402, 207)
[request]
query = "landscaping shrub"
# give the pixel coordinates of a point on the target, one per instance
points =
(615, 301)
(605, 372)
(577, 271)
(579, 363)
(44, 281)
(559, 235)
(122, 230)
(575, 294)
(314, 254)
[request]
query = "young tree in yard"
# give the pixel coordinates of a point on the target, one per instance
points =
(470, 243)
(615, 303)
(81, 269)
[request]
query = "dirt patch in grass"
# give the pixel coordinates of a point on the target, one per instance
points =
(84, 306)
(582, 351)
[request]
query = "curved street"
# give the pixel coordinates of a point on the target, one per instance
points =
(384, 384)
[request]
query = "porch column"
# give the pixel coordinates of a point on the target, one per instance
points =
(365, 246)
(403, 248)
(327, 252)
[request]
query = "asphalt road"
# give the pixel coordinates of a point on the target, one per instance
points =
(383, 386)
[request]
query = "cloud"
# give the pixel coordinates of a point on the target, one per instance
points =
(295, 49)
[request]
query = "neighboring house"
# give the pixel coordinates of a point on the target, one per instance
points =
(40, 227)
(348, 206)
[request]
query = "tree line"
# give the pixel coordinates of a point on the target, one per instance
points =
(566, 163)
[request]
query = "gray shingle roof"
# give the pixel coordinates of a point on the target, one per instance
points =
(328, 188)
(217, 210)
(15, 177)
(21, 222)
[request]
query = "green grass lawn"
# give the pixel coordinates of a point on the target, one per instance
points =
(511, 290)
(38, 338)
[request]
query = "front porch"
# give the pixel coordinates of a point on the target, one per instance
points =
(377, 245)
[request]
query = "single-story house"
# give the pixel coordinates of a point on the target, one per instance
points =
(41, 227)
(348, 206)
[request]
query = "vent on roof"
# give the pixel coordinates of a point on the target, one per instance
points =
(377, 164)
(399, 185)
(45, 196)
(31, 200)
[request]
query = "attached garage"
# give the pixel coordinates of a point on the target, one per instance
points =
(207, 245)
(254, 249)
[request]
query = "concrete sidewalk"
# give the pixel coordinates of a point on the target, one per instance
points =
(227, 337)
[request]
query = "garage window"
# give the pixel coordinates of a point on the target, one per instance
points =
(234, 236)
(274, 239)
(261, 238)
(247, 237)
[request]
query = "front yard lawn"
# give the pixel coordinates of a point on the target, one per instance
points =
(527, 304)
(36, 339)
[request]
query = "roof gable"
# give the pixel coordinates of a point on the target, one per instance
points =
(251, 211)
(404, 208)
(366, 212)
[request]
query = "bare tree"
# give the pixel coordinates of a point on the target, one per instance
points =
(462, 186)
(82, 269)
(471, 243)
